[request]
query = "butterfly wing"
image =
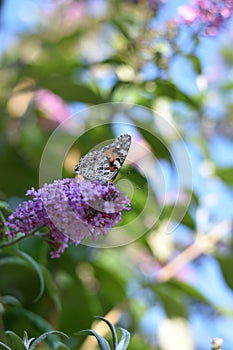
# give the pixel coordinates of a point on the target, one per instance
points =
(104, 165)
(93, 166)
(116, 154)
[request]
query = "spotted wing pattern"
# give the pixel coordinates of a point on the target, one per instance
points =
(104, 165)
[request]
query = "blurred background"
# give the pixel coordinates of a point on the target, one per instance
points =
(169, 65)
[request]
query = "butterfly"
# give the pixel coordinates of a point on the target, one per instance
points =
(104, 165)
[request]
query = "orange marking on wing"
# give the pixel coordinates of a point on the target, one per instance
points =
(111, 156)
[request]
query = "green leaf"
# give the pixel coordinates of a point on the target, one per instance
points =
(61, 346)
(226, 263)
(130, 93)
(5, 205)
(227, 86)
(75, 301)
(30, 320)
(196, 63)
(168, 88)
(122, 29)
(101, 340)
(27, 341)
(5, 211)
(226, 53)
(69, 90)
(15, 341)
(51, 287)
(172, 300)
(5, 346)
(24, 284)
(178, 213)
(157, 144)
(34, 323)
(49, 67)
(112, 328)
(9, 300)
(113, 286)
(124, 341)
(189, 290)
(44, 336)
(225, 174)
(138, 342)
(31, 262)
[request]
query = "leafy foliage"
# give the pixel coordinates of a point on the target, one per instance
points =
(120, 67)
(103, 344)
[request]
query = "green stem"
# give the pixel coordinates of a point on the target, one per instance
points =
(12, 242)
(2, 217)
(2, 328)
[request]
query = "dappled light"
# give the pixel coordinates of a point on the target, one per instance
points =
(116, 136)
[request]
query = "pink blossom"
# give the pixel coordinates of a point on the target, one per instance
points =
(188, 14)
(53, 108)
(209, 16)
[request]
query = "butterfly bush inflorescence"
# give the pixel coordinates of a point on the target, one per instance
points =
(71, 210)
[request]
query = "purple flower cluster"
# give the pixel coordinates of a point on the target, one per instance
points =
(71, 209)
(209, 14)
